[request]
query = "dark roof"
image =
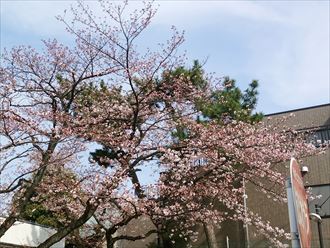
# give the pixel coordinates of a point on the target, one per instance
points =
(299, 109)
(315, 117)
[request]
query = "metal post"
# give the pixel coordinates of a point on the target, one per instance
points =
(292, 216)
(245, 212)
(227, 241)
(319, 226)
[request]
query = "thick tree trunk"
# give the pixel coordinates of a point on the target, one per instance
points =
(9, 221)
(22, 203)
(63, 232)
(160, 241)
(109, 239)
(210, 236)
(25, 199)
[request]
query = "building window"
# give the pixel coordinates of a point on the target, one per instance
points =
(320, 137)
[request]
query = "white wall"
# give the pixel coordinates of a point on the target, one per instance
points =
(26, 234)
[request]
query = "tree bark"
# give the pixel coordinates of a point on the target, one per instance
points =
(9, 221)
(63, 232)
(25, 199)
(160, 240)
(109, 239)
(210, 236)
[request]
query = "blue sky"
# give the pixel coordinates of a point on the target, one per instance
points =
(283, 44)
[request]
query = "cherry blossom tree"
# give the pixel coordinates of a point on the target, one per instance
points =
(58, 104)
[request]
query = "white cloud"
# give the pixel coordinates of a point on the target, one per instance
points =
(197, 14)
(297, 70)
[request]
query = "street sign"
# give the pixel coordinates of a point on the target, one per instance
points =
(300, 205)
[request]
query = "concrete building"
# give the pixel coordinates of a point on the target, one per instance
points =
(315, 122)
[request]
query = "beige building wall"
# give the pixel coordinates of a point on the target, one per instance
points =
(309, 119)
